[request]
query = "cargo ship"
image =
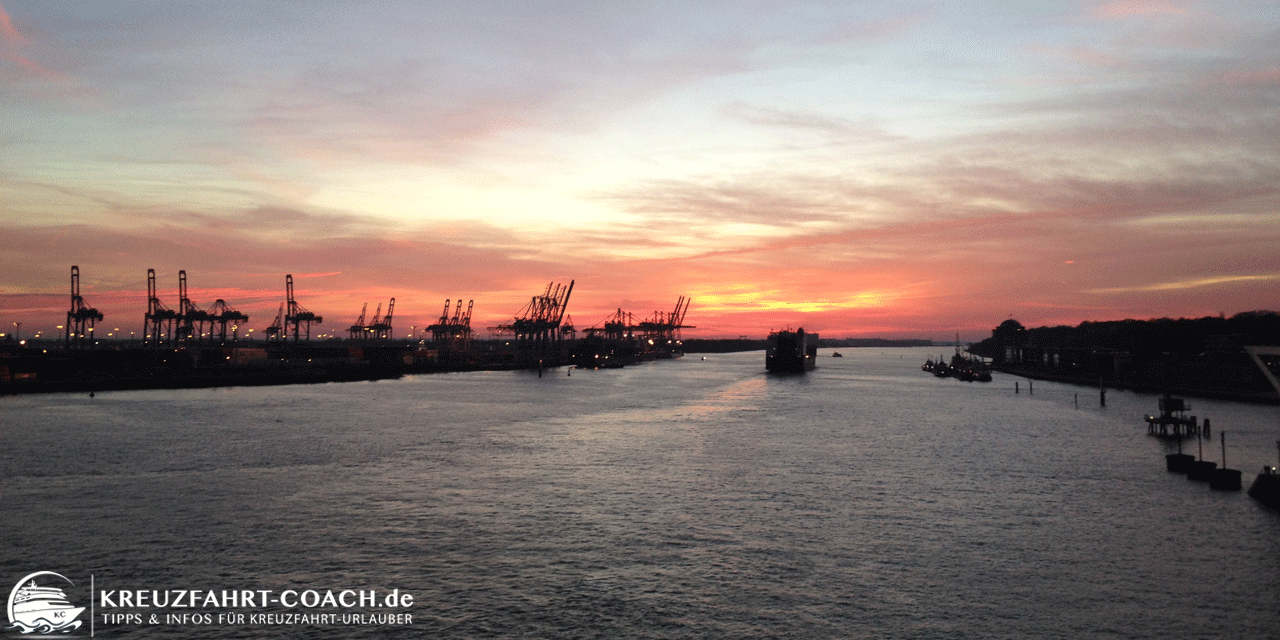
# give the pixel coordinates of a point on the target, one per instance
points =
(791, 351)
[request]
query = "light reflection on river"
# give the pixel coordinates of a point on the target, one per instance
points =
(692, 498)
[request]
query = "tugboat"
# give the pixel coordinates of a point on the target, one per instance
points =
(966, 368)
(969, 369)
(791, 351)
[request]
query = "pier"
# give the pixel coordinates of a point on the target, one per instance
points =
(1173, 422)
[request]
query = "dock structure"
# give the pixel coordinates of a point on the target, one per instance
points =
(1173, 421)
(453, 333)
(621, 340)
(379, 328)
(539, 331)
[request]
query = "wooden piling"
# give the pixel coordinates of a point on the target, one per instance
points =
(1201, 469)
(1225, 479)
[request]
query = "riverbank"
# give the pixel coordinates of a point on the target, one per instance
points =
(1197, 391)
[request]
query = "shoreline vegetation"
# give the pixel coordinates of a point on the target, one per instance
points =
(1201, 357)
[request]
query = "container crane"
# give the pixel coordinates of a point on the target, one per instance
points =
(221, 314)
(666, 327)
(454, 332)
(537, 330)
(276, 330)
(158, 324)
(297, 315)
(80, 318)
(356, 331)
(381, 327)
(191, 319)
(444, 317)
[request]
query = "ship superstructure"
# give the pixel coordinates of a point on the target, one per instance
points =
(791, 351)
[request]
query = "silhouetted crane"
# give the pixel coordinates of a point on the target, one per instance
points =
(80, 318)
(191, 319)
(537, 330)
(158, 324)
(222, 314)
(276, 330)
(666, 327)
(381, 327)
(453, 333)
(297, 315)
(356, 331)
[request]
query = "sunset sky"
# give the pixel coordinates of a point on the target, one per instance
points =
(861, 169)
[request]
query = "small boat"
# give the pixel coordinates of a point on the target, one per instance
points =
(837, 355)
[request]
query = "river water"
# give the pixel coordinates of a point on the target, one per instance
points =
(695, 498)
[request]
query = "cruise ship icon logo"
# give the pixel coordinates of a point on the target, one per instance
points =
(42, 609)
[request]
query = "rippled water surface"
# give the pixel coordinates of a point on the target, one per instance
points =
(685, 499)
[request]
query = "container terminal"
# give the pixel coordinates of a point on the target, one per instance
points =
(186, 345)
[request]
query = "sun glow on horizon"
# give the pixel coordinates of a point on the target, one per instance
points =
(857, 164)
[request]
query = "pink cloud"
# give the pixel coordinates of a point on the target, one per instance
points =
(12, 39)
(8, 32)
(1260, 77)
